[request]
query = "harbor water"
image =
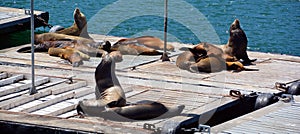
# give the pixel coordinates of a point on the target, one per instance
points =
(271, 25)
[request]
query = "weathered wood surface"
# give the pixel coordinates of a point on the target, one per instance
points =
(151, 79)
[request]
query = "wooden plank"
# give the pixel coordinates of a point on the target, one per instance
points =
(11, 79)
(19, 87)
(8, 104)
(46, 85)
(73, 86)
(63, 108)
(58, 98)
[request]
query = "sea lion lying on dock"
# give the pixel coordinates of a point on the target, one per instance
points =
(74, 56)
(145, 45)
(110, 102)
(40, 38)
(132, 49)
(79, 27)
(236, 47)
(84, 47)
(208, 58)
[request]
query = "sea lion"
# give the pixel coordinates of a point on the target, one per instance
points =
(148, 41)
(209, 64)
(72, 55)
(132, 49)
(203, 57)
(208, 58)
(79, 27)
(236, 47)
(110, 102)
(39, 38)
(186, 59)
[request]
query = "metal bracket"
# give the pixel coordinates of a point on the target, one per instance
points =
(152, 127)
(287, 98)
(27, 11)
(201, 128)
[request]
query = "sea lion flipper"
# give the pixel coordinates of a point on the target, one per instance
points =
(26, 49)
(90, 107)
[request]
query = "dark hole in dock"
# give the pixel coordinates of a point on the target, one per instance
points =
(221, 114)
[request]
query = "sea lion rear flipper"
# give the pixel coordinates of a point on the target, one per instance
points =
(90, 107)
(26, 49)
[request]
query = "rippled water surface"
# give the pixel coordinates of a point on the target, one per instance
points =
(271, 25)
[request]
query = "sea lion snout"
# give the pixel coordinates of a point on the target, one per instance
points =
(235, 24)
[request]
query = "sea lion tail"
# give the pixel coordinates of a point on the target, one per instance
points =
(26, 49)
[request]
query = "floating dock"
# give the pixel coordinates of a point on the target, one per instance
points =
(60, 86)
(15, 20)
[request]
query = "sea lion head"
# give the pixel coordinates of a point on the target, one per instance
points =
(79, 18)
(235, 25)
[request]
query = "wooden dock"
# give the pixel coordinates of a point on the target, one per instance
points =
(15, 20)
(150, 80)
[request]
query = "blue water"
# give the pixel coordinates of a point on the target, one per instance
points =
(271, 25)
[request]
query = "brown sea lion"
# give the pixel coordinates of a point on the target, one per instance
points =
(236, 47)
(110, 99)
(72, 55)
(148, 41)
(209, 64)
(39, 38)
(132, 49)
(203, 57)
(207, 58)
(79, 27)
(186, 59)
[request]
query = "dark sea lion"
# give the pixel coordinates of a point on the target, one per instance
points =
(142, 110)
(110, 102)
(79, 27)
(236, 47)
(148, 41)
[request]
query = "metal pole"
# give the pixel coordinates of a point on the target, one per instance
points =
(32, 90)
(165, 55)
